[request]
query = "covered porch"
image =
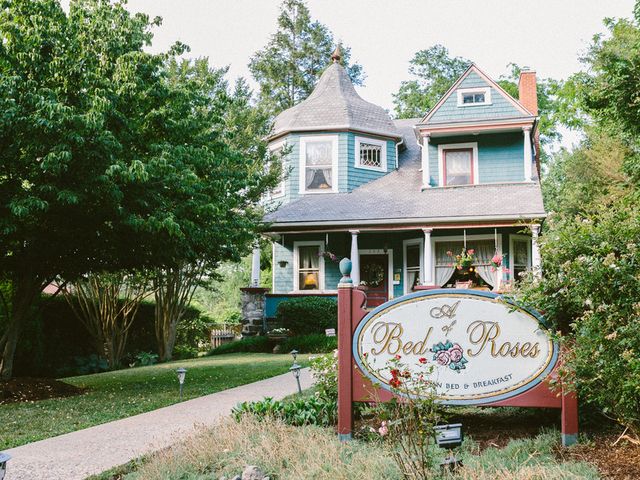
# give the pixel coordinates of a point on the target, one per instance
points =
(389, 262)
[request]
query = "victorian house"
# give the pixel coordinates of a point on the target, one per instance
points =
(448, 200)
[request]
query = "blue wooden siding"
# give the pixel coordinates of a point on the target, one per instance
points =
(500, 107)
(500, 156)
(349, 177)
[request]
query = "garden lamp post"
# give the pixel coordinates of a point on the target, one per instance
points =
(295, 369)
(294, 354)
(449, 437)
(182, 372)
(4, 458)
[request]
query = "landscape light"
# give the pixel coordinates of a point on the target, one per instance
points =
(294, 354)
(182, 373)
(449, 437)
(4, 458)
(295, 369)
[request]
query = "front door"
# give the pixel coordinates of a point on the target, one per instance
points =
(374, 275)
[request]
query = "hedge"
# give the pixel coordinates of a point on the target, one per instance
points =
(306, 315)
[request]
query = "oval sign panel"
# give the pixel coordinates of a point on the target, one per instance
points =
(483, 348)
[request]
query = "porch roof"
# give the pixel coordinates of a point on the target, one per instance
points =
(397, 198)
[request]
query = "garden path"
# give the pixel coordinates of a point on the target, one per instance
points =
(93, 450)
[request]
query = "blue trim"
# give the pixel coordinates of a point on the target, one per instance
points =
(427, 293)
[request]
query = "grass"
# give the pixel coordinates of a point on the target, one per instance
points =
(314, 453)
(122, 393)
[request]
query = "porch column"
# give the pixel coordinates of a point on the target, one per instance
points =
(536, 262)
(425, 161)
(355, 258)
(427, 265)
(528, 158)
(255, 266)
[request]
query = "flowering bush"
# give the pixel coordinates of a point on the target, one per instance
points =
(406, 423)
(325, 372)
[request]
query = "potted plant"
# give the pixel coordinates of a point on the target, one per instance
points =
(278, 334)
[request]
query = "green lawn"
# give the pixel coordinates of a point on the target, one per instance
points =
(119, 394)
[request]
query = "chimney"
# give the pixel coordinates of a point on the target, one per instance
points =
(527, 90)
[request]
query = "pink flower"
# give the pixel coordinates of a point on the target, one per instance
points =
(443, 357)
(455, 353)
(383, 430)
(471, 251)
(398, 357)
(450, 253)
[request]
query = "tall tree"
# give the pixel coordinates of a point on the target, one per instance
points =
(108, 162)
(289, 66)
(434, 71)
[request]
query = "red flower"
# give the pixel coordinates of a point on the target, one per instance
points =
(395, 382)
(395, 372)
(422, 360)
(397, 357)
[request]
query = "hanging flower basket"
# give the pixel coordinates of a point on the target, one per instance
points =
(464, 260)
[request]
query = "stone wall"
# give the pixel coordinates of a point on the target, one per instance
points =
(252, 304)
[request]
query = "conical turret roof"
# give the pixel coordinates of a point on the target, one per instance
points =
(335, 105)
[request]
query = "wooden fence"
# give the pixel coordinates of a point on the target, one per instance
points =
(224, 334)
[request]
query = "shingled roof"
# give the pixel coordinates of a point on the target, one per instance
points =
(335, 105)
(397, 198)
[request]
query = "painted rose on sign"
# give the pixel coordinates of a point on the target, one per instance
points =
(449, 355)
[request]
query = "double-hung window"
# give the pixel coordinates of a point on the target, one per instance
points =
(458, 164)
(309, 266)
(319, 164)
(520, 250)
(371, 154)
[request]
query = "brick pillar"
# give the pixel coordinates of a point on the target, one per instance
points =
(253, 303)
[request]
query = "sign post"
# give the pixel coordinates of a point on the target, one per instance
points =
(485, 351)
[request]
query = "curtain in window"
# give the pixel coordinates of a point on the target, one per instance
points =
(309, 268)
(484, 251)
(444, 263)
(458, 167)
(319, 165)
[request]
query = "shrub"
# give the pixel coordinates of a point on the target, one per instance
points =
(144, 359)
(299, 411)
(312, 343)
(325, 374)
(305, 315)
(246, 345)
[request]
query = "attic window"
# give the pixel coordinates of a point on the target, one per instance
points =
(371, 154)
(468, 97)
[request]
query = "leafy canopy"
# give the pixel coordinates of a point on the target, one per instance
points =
(289, 66)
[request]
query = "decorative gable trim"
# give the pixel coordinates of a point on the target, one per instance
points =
(490, 82)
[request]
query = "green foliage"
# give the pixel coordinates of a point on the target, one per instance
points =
(144, 359)
(325, 373)
(256, 344)
(296, 411)
(291, 63)
(309, 314)
(312, 343)
(434, 71)
(90, 364)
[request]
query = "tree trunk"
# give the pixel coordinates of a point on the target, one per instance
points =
(24, 292)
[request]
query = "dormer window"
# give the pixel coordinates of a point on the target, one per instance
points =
(319, 164)
(468, 97)
(371, 154)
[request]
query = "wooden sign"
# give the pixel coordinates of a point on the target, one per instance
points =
(485, 351)
(482, 348)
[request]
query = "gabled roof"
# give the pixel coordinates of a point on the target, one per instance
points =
(397, 198)
(335, 105)
(515, 110)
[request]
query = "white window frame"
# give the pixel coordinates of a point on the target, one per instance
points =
(465, 91)
(454, 146)
(512, 256)
(459, 238)
(283, 184)
(383, 153)
(296, 265)
(389, 254)
(405, 273)
(303, 162)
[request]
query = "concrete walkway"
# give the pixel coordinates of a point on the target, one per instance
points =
(93, 450)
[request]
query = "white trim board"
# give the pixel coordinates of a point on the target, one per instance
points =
(389, 254)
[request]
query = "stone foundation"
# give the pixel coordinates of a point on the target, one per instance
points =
(252, 304)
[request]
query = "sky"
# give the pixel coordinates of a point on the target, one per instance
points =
(547, 35)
